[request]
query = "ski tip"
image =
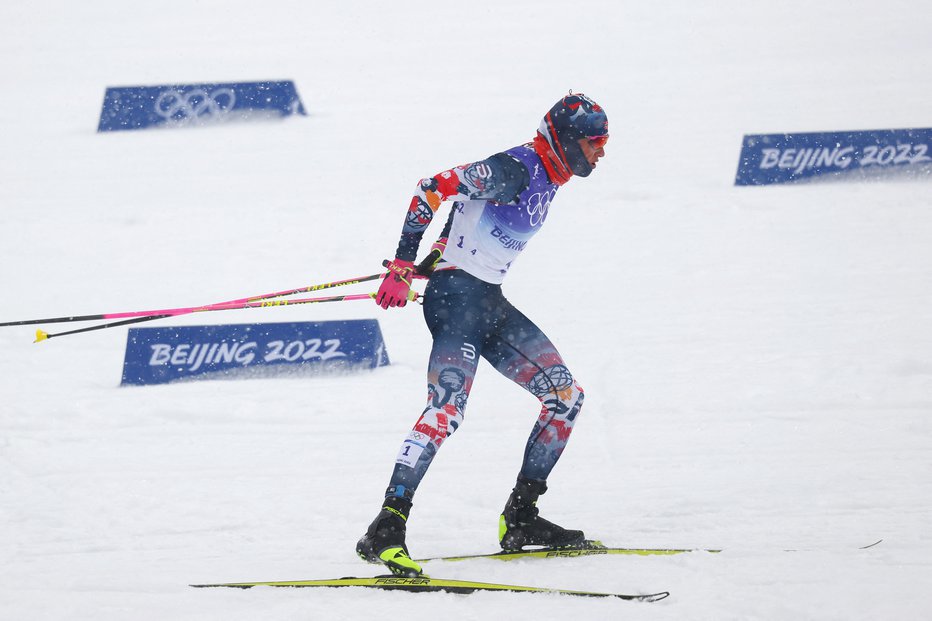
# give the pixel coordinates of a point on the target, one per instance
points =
(878, 542)
(41, 336)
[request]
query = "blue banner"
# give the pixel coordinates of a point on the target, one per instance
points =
(782, 158)
(141, 107)
(161, 355)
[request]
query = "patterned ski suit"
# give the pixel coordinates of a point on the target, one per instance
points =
(499, 204)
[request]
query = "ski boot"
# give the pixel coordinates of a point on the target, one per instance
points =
(520, 525)
(384, 541)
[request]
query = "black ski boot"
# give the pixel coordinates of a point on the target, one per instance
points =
(519, 524)
(384, 542)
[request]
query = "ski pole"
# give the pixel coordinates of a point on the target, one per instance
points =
(170, 312)
(420, 272)
(41, 335)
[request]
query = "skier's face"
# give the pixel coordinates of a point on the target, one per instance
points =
(592, 149)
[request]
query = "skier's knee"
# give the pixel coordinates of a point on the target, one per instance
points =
(564, 399)
(577, 400)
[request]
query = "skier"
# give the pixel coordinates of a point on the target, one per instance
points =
(499, 204)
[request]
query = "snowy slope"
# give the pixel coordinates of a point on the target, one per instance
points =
(756, 360)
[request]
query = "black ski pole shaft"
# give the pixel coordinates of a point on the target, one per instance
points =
(41, 335)
(27, 322)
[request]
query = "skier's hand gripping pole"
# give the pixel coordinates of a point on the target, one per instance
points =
(396, 286)
(395, 290)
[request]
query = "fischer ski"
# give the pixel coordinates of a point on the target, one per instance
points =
(588, 548)
(424, 584)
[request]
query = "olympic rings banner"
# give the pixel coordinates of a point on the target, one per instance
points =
(141, 107)
(162, 355)
(781, 158)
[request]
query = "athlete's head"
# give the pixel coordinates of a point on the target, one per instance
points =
(577, 129)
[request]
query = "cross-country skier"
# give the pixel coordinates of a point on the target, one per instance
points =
(499, 204)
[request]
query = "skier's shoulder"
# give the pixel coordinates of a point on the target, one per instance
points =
(501, 177)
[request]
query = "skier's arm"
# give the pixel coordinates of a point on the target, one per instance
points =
(428, 263)
(499, 178)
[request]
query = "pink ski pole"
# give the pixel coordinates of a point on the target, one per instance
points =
(42, 335)
(171, 312)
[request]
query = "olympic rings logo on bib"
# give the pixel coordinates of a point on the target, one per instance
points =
(537, 205)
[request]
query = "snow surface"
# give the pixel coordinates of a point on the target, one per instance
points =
(757, 361)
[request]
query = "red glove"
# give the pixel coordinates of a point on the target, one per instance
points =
(396, 285)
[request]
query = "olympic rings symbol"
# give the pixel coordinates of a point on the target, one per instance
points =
(173, 105)
(537, 205)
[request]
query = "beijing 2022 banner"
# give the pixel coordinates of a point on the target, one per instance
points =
(161, 355)
(178, 105)
(782, 158)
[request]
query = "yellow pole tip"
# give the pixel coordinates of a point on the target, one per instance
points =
(41, 336)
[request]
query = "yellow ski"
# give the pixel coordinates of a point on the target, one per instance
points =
(424, 584)
(589, 548)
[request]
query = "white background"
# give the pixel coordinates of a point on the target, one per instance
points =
(757, 361)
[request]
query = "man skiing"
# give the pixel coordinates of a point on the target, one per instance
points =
(499, 204)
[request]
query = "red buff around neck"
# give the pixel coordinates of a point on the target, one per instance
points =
(558, 172)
